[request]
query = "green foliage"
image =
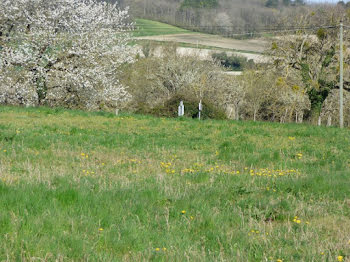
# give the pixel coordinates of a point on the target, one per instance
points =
(287, 2)
(233, 62)
(321, 34)
(271, 3)
(199, 3)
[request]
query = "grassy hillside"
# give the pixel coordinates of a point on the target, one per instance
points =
(94, 186)
(144, 27)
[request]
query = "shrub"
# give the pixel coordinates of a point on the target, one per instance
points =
(233, 62)
(170, 108)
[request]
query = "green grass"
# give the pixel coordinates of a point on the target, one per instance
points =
(146, 27)
(94, 186)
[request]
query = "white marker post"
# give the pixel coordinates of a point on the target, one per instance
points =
(200, 109)
(181, 110)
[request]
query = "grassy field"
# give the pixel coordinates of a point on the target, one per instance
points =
(98, 187)
(144, 27)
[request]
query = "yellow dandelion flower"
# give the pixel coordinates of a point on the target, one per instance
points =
(279, 260)
(298, 221)
(340, 258)
(183, 212)
(322, 253)
(164, 248)
(82, 154)
(157, 249)
(100, 229)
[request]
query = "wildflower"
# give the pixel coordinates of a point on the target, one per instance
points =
(5, 150)
(291, 138)
(82, 154)
(340, 258)
(322, 253)
(157, 249)
(279, 260)
(100, 229)
(164, 248)
(183, 212)
(191, 217)
(298, 221)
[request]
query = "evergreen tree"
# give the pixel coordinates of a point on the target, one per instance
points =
(271, 3)
(200, 3)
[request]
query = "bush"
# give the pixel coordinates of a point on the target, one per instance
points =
(170, 108)
(233, 62)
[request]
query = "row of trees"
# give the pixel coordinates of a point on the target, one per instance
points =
(76, 54)
(225, 17)
(256, 95)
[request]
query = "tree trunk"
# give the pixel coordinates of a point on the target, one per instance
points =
(319, 121)
(236, 112)
(329, 120)
(301, 117)
(254, 115)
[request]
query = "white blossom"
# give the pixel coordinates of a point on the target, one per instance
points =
(64, 51)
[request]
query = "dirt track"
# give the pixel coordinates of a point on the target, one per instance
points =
(254, 45)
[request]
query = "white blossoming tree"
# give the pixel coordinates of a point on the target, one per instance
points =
(63, 52)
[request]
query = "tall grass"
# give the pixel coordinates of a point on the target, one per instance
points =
(94, 186)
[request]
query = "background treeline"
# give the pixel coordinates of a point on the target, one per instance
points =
(219, 16)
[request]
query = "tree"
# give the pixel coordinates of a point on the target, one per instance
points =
(286, 2)
(63, 52)
(155, 80)
(200, 3)
(311, 55)
(271, 3)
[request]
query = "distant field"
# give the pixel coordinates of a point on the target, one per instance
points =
(77, 186)
(147, 30)
(146, 27)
